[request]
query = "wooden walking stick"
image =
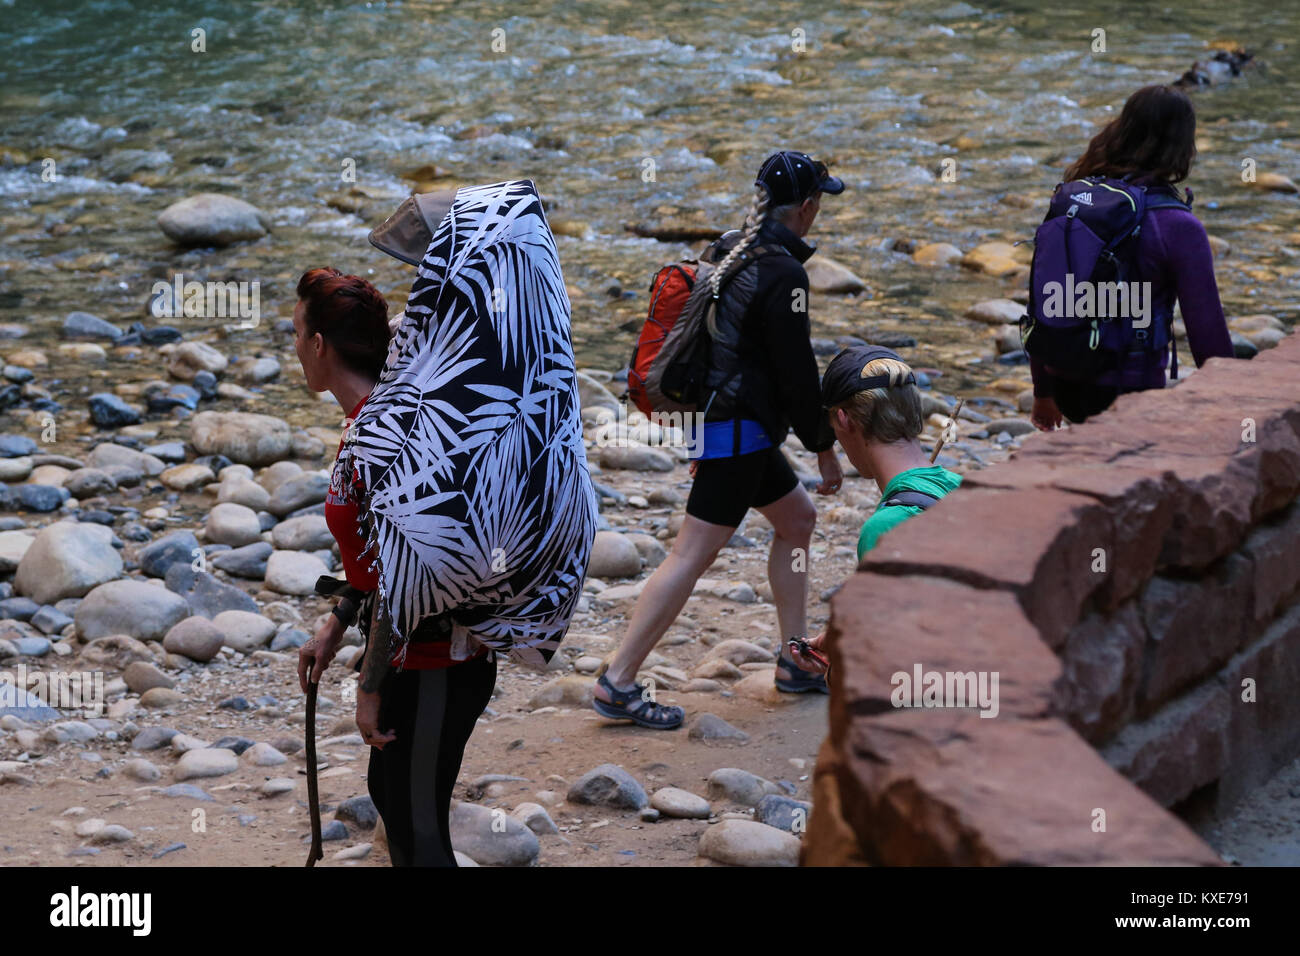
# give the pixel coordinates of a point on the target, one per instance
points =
(938, 447)
(313, 793)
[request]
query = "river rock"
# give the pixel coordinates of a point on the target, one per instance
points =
(996, 312)
(196, 638)
(568, 691)
(141, 676)
(294, 572)
(142, 770)
(305, 533)
(211, 219)
(632, 456)
(301, 491)
(83, 325)
(359, 810)
(244, 631)
(179, 547)
(784, 813)
(232, 524)
(240, 490)
(613, 556)
(713, 727)
(937, 254)
(1009, 426)
(535, 817)
(739, 786)
(609, 785)
(89, 483)
(205, 594)
(190, 477)
(675, 802)
(109, 455)
(998, 259)
(15, 469)
(13, 546)
(828, 277)
(109, 411)
(67, 559)
(143, 611)
(1275, 182)
(491, 837)
(241, 436)
(205, 762)
(593, 394)
(246, 562)
(746, 843)
(262, 754)
(161, 697)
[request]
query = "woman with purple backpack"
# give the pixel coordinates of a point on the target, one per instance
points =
(1079, 369)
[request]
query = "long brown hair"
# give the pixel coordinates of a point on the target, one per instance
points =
(1154, 136)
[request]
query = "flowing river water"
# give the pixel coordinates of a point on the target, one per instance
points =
(623, 113)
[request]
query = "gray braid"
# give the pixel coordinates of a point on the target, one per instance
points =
(753, 223)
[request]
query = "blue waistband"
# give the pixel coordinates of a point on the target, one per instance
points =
(719, 439)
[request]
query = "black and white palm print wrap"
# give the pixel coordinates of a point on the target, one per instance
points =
(469, 451)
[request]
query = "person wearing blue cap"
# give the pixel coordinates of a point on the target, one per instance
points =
(875, 410)
(762, 381)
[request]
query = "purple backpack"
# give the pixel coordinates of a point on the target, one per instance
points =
(1089, 310)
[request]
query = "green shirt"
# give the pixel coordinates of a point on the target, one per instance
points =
(934, 480)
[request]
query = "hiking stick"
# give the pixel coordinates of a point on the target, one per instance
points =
(939, 444)
(313, 794)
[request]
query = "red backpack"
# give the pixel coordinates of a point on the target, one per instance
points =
(669, 290)
(671, 358)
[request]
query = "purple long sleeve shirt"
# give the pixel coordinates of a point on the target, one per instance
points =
(1174, 256)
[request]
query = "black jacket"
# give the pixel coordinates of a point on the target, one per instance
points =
(762, 364)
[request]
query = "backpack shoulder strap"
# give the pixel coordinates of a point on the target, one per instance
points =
(914, 499)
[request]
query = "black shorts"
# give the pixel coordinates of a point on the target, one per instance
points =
(725, 488)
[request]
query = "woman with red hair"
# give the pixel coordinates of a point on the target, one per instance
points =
(341, 335)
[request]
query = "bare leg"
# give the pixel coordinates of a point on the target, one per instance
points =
(793, 518)
(665, 594)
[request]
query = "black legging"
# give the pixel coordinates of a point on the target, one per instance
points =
(433, 713)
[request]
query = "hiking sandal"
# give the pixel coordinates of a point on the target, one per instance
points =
(800, 681)
(632, 705)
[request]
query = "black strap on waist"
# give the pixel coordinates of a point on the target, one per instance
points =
(914, 499)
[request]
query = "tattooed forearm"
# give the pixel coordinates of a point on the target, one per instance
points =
(375, 665)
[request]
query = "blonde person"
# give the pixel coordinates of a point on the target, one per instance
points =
(875, 411)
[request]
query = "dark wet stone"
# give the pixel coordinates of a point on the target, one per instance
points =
(18, 608)
(40, 498)
(235, 703)
(175, 548)
(109, 411)
(50, 620)
(237, 744)
(15, 446)
(360, 810)
(206, 595)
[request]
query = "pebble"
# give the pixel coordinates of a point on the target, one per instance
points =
(613, 555)
(359, 810)
(264, 755)
(675, 802)
(205, 763)
(141, 676)
(142, 770)
(196, 638)
(739, 786)
(293, 572)
(187, 790)
(747, 843)
(491, 837)
(277, 785)
(711, 727)
(608, 785)
(67, 559)
(535, 817)
(143, 611)
(784, 813)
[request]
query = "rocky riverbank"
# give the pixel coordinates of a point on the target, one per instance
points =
(166, 539)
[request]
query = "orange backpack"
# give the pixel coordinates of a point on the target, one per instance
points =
(669, 290)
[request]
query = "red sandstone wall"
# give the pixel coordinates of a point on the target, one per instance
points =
(1129, 580)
